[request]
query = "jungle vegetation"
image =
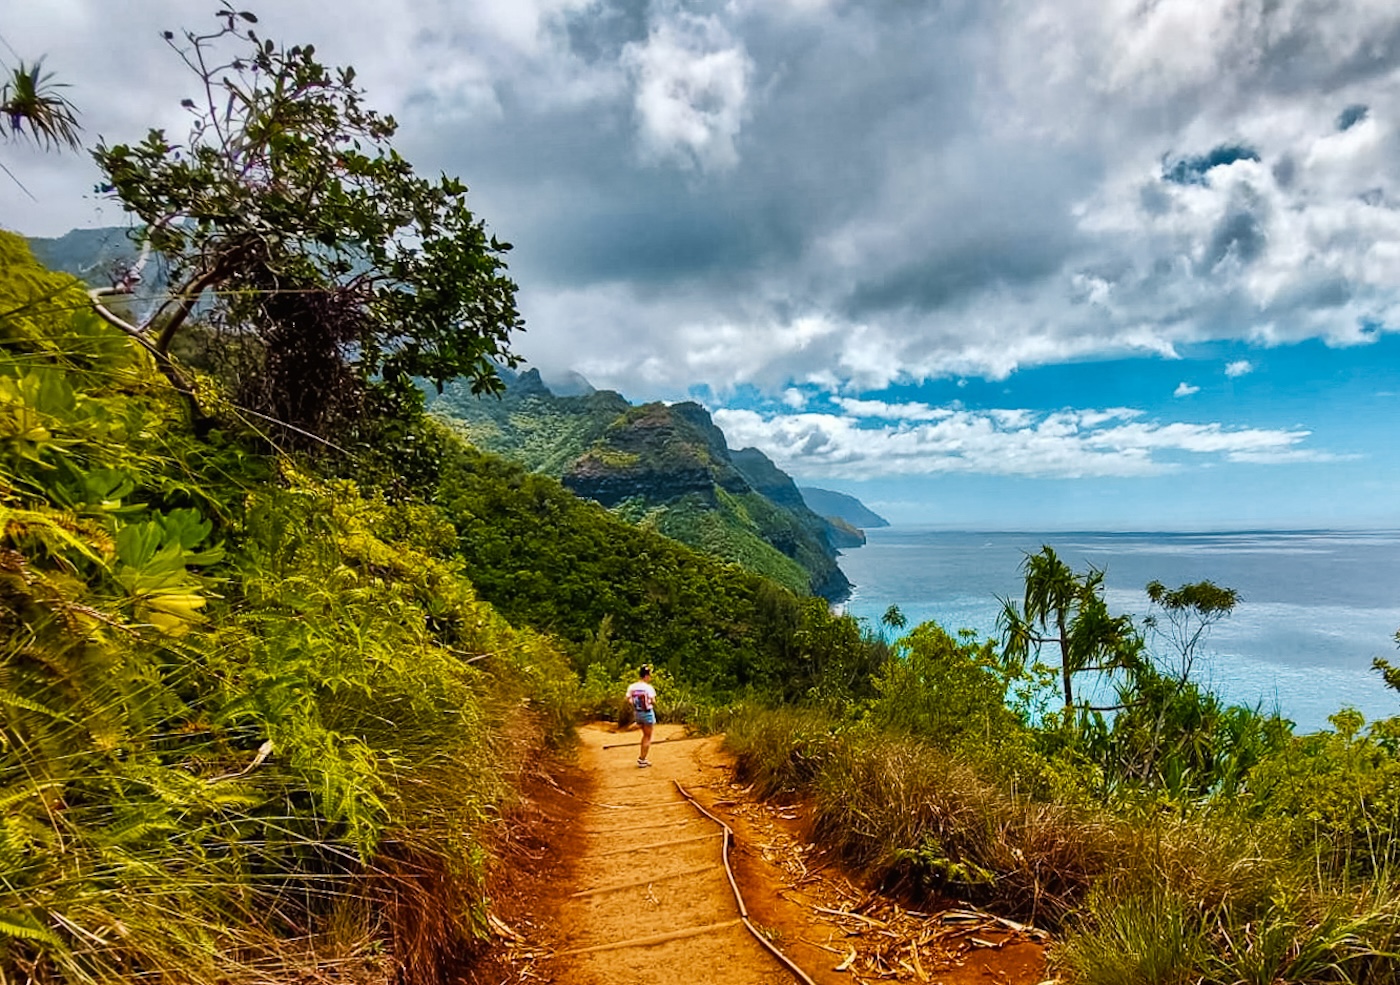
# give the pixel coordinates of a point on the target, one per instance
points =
(1166, 837)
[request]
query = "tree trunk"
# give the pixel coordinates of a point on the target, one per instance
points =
(1065, 671)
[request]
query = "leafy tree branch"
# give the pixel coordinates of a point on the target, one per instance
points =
(327, 267)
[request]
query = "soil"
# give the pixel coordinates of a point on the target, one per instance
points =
(611, 876)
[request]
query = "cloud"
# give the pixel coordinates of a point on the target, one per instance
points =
(1184, 389)
(728, 192)
(882, 410)
(1286, 456)
(691, 89)
(1195, 170)
(1060, 444)
(1240, 367)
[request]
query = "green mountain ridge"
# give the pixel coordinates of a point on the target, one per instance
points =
(838, 506)
(92, 255)
(664, 467)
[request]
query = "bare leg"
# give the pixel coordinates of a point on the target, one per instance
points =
(646, 740)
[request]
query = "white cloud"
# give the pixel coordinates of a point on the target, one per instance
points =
(1287, 456)
(1062, 444)
(888, 411)
(1184, 389)
(1195, 438)
(692, 82)
(1240, 367)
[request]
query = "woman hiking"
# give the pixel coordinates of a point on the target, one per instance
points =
(643, 699)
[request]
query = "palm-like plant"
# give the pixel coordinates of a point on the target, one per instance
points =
(1068, 610)
(32, 105)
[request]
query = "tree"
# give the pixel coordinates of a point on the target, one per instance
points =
(1068, 610)
(33, 106)
(894, 618)
(1388, 671)
(329, 268)
(1184, 617)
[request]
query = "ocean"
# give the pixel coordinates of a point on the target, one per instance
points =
(1316, 606)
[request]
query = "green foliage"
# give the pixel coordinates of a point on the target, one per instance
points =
(238, 705)
(1177, 840)
(31, 103)
(1164, 937)
(1338, 792)
(945, 690)
(724, 528)
(334, 267)
(529, 424)
(1212, 893)
(1389, 673)
(1153, 939)
(1068, 610)
(563, 565)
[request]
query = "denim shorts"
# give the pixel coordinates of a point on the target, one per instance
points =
(646, 718)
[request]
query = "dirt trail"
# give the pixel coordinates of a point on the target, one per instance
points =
(653, 899)
(629, 887)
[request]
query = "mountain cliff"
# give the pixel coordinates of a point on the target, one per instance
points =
(665, 467)
(839, 506)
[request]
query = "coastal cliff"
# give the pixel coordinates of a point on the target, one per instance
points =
(662, 466)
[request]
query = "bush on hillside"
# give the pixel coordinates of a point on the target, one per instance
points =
(242, 706)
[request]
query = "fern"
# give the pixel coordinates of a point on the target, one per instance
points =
(23, 927)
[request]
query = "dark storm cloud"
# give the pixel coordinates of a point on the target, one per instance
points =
(936, 281)
(899, 162)
(599, 33)
(827, 127)
(1298, 54)
(1240, 235)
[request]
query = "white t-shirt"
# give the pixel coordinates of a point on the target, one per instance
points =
(642, 695)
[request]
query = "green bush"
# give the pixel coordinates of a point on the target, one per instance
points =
(252, 720)
(1152, 939)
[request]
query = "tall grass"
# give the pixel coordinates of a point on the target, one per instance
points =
(254, 726)
(1141, 894)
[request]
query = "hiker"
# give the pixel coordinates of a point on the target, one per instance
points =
(642, 697)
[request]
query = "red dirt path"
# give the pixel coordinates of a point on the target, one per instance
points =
(612, 878)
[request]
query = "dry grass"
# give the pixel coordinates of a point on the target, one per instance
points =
(1149, 897)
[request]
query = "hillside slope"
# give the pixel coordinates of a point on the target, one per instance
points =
(664, 467)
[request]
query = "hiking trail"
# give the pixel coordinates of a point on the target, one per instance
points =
(638, 890)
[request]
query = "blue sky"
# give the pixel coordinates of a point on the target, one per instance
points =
(1041, 263)
(1227, 436)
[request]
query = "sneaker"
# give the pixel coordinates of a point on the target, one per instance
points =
(642, 764)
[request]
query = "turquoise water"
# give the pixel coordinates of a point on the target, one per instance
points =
(1316, 606)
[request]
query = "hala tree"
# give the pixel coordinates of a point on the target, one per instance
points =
(329, 268)
(32, 106)
(894, 618)
(1067, 610)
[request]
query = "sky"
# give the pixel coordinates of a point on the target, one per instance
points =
(1035, 264)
